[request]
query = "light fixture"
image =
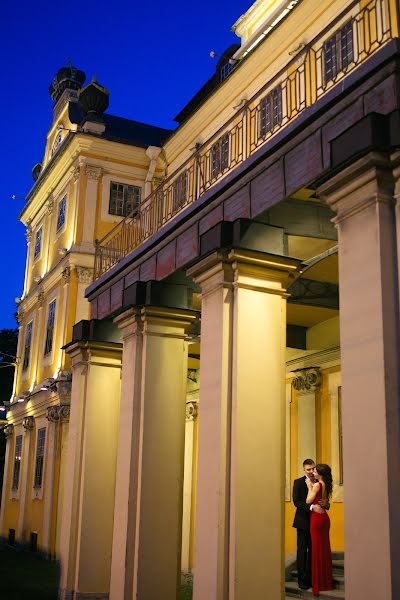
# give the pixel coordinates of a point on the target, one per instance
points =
(37, 279)
(47, 384)
(231, 61)
(23, 396)
(62, 251)
(18, 300)
(2, 408)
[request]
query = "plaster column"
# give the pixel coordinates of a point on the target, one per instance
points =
(25, 483)
(362, 197)
(9, 435)
(28, 271)
(149, 487)
(88, 503)
(191, 418)
(239, 540)
(93, 175)
(306, 383)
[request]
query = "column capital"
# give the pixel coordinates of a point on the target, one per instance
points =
(8, 431)
(93, 172)
(307, 380)
(28, 423)
(84, 274)
(238, 267)
(362, 184)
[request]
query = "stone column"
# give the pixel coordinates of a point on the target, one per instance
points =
(25, 485)
(306, 383)
(239, 538)
(8, 470)
(149, 488)
(191, 419)
(84, 277)
(88, 504)
(362, 197)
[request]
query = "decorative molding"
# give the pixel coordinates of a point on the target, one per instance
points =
(29, 234)
(58, 413)
(75, 173)
(28, 423)
(84, 274)
(50, 205)
(328, 358)
(307, 380)
(93, 173)
(8, 431)
(191, 410)
(40, 298)
(66, 274)
(20, 316)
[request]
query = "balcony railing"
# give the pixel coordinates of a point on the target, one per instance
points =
(347, 42)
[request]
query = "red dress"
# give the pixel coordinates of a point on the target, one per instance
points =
(321, 556)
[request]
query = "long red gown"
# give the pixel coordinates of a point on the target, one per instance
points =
(321, 556)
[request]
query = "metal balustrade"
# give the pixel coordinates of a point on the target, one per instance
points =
(347, 42)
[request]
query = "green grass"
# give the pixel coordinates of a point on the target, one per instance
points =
(26, 576)
(186, 591)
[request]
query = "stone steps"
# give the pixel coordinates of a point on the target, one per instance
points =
(292, 590)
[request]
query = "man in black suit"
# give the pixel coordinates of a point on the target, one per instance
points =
(302, 524)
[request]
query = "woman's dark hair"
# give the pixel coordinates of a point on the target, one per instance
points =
(326, 472)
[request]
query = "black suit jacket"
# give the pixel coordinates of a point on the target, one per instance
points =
(302, 516)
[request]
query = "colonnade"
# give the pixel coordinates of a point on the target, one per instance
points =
(121, 533)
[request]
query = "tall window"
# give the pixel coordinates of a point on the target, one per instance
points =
(17, 462)
(270, 113)
(41, 439)
(62, 206)
(226, 69)
(38, 242)
(338, 51)
(27, 346)
(219, 156)
(124, 199)
(179, 191)
(51, 317)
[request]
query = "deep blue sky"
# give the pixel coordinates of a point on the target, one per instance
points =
(152, 56)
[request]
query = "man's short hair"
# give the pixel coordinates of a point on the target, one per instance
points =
(308, 461)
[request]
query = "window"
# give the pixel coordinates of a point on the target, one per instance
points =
(27, 345)
(38, 243)
(41, 438)
(226, 69)
(270, 113)
(62, 205)
(338, 51)
(220, 156)
(51, 317)
(179, 191)
(57, 142)
(124, 199)
(17, 462)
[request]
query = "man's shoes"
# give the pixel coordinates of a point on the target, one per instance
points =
(304, 586)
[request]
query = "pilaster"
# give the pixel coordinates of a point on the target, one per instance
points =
(25, 485)
(9, 435)
(93, 176)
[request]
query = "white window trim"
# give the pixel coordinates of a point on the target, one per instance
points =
(15, 493)
(62, 229)
(40, 423)
(48, 358)
(39, 256)
(105, 196)
(25, 372)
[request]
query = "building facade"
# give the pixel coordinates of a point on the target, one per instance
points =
(213, 356)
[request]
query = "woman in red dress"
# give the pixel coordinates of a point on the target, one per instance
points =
(321, 556)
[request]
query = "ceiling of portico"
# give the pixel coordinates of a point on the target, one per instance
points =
(307, 247)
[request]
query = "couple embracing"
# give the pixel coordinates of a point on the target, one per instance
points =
(311, 494)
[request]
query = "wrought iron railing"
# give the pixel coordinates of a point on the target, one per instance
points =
(347, 42)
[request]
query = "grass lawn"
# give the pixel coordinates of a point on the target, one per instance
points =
(26, 576)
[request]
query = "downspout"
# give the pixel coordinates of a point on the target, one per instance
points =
(152, 152)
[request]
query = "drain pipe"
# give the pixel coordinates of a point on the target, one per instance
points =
(152, 152)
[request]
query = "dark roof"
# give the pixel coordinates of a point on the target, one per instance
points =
(125, 131)
(207, 88)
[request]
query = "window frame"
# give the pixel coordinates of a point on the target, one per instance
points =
(180, 191)
(220, 156)
(37, 255)
(50, 327)
(17, 462)
(125, 187)
(38, 474)
(269, 107)
(60, 227)
(26, 363)
(333, 48)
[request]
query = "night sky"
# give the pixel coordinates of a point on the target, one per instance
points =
(152, 56)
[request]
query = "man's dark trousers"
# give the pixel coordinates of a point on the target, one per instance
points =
(302, 524)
